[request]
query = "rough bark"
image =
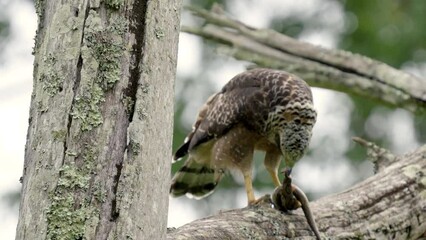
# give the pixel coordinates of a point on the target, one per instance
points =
(97, 159)
(389, 205)
(328, 68)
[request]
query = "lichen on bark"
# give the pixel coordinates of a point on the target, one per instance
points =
(114, 4)
(49, 77)
(68, 214)
(87, 70)
(101, 53)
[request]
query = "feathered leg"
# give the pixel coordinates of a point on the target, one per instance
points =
(272, 163)
(249, 188)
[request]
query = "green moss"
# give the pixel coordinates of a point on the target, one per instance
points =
(145, 88)
(159, 33)
(39, 8)
(102, 53)
(128, 104)
(114, 4)
(412, 171)
(71, 153)
(65, 221)
(90, 154)
(72, 177)
(99, 193)
(142, 113)
(107, 48)
(87, 108)
(70, 212)
(49, 77)
(422, 194)
(41, 106)
(59, 135)
(135, 147)
(423, 180)
(358, 235)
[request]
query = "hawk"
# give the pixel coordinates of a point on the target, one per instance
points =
(259, 109)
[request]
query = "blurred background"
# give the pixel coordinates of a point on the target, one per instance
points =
(393, 33)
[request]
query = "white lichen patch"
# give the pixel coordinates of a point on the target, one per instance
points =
(412, 171)
(416, 172)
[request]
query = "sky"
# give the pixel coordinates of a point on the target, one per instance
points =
(16, 65)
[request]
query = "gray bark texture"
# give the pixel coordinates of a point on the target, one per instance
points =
(389, 205)
(97, 159)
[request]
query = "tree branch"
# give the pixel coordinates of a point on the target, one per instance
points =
(332, 69)
(388, 205)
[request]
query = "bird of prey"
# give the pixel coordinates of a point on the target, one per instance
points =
(259, 109)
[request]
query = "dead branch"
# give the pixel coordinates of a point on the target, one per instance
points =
(327, 68)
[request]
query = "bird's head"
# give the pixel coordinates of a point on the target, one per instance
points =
(294, 140)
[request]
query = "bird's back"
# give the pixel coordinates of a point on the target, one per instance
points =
(269, 98)
(260, 101)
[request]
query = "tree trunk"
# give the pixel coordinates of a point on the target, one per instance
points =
(97, 159)
(389, 205)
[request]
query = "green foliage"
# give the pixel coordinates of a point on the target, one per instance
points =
(4, 30)
(391, 32)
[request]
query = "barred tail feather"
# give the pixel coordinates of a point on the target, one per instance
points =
(195, 180)
(181, 152)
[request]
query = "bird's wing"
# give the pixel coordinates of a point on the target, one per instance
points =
(249, 98)
(223, 110)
